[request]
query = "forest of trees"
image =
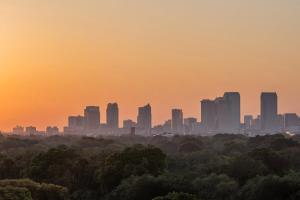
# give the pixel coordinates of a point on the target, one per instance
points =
(222, 167)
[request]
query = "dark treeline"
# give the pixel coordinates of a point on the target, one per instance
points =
(223, 167)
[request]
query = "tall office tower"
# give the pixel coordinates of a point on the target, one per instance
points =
(208, 115)
(291, 120)
(268, 112)
(92, 117)
(233, 104)
(248, 121)
(221, 115)
(177, 121)
(144, 118)
(112, 115)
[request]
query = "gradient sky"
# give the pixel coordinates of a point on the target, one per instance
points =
(56, 56)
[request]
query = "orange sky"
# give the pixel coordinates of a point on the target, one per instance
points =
(56, 56)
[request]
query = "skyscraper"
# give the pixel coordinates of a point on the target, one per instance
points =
(208, 115)
(92, 117)
(233, 104)
(144, 118)
(112, 115)
(222, 114)
(269, 112)
(177, 121)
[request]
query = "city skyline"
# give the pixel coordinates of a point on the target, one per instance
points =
(56, 57)
(223, 114)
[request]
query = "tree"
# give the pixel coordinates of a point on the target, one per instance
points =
(28, 190)
(54, 166)
(216, 187)
(177, 196)
(243, 168)
(136, 160)
(272, 187)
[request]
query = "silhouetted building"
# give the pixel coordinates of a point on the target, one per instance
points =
(291, 120)
(128, 124)
(52, 130)
(208, 115)
(269, 115)
(144, 118)
(177, 121)
(248, 121)
(30, 130)
(190, 125)
(92, 117)
(18, 130)
(233, 109)
(223, 114)
(76, 122)
(112, 115)
(167, 126)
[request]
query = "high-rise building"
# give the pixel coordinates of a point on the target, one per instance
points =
(233, 105)
(222, 114)
(112, 115)
(144, 118)
(269, 118)
(248, 121)
(208, 114)
(177, 121)
(92, 117)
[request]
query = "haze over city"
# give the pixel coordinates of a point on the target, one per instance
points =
(56, 57)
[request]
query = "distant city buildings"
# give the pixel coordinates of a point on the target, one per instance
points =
(248, 121)
(52, 130)
(30, 130)
(177, 121)
(268, 112)
(112, 115)
(92, 117)
(190, 125)
(220, 115)
(144, 118)
(18, 130)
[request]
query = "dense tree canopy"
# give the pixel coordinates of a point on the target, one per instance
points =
(222, 167)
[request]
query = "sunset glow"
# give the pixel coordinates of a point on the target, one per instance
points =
(57, 56)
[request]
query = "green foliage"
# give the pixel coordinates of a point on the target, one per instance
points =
(272, 187)
(28, 189)
(243, 168)
(216, 187)
(54, 166)
(136, 160)
(14, 193)
(222, 167)
(177, 196)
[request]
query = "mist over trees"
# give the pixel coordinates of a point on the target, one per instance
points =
(222, 167)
